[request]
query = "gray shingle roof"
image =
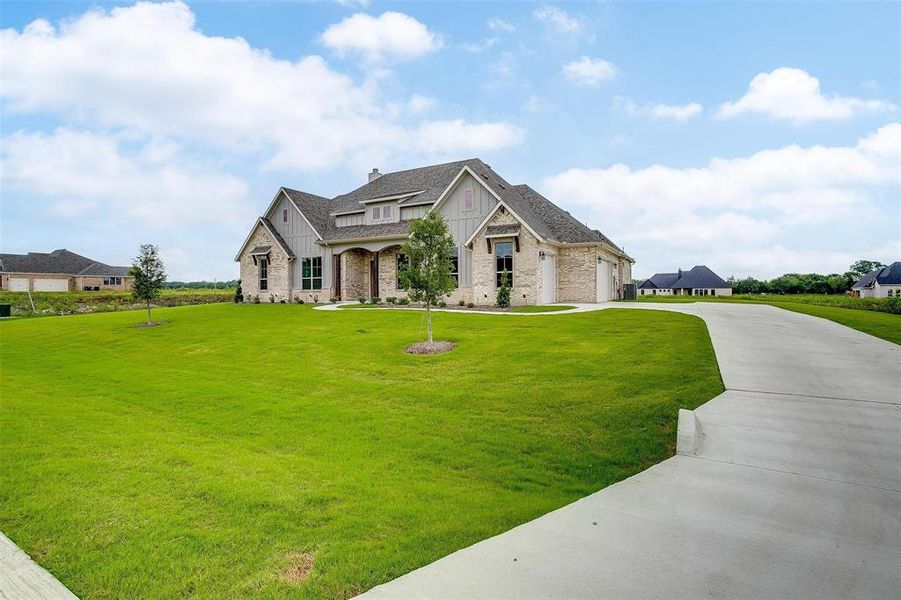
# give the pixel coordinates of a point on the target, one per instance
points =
(428, 183)
(660, 281)
(888, 275)
(696, 277)
(60, 261)
(277, 237)
(502, 230)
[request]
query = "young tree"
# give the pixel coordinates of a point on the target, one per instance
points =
(503, 292)
(427, 274)
(149, 276)
(239, 295)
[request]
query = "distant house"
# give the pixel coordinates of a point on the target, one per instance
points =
(698, 281)
(349, 247)
(884, 282)
(59, 271)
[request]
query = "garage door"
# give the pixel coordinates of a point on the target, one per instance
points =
(549, 279)
(603, 280)
(51, 285)
(18, 284)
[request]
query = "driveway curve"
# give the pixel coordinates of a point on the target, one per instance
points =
(787, 485)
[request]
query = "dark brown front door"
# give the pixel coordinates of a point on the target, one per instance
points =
(374, 276)
(337, 276)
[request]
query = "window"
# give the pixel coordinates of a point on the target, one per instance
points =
(402, 262)
(455, 266)
(311, 273)
(713, 292)
(112, 281)
(264, 274)
(503, 259)
(375, 213)
(386, 212)
(467, 200)
(285, 215)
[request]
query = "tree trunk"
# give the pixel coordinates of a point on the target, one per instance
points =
(428, 320)
(148, 313)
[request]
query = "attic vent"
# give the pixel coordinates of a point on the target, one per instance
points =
(484, 175)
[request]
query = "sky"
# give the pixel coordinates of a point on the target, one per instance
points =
(757, 138)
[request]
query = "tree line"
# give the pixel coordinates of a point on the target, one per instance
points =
(805, 283)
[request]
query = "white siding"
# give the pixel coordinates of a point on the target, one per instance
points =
(462, 222)
(347, 220)
(393, 218)
(301, 238)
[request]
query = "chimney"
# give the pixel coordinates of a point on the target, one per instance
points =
(680, 273)
(374, 175)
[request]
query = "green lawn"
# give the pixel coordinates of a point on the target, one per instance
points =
(198, 457)
(541, 308)
(880, 324)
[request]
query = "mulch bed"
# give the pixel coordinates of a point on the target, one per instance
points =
(430, 348)
(151, 324)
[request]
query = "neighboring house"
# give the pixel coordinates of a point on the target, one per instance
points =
(59, 271)
(698, 281)
(884, 282)
(348, 247)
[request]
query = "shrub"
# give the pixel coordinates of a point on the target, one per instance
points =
(375, 300)
(442, 304)
(469, 305)
(256, 299)
(503, 292)
(298, 299)
(403, 301)
(362, 300)
(282, 302)
(332, 299)
(461, 303)
(239, 295)
(315, 299)
(271, 298)
(391, 300)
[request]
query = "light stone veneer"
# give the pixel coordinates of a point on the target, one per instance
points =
(526, 274)
(354, 274)
(279, 273)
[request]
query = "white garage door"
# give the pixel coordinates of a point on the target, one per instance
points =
(603, 280)
(18, 284)
(51, 285)
(549, 279)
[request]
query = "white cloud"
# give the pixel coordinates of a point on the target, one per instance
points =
(476, 47)
(86, 173)
(419, 104)
(743, 214)
(589, 71)
(536, 105)
(679, 113)
(146, 68)
(559, 21)
(391, 35)
(444, 137)
(497, 24)
(794, 95)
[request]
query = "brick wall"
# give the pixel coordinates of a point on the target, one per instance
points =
(354, 274)
(279, 272)
(526, 276)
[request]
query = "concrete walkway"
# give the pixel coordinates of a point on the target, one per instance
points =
(23, 579)
(788, 485)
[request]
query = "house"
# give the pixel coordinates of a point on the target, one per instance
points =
(697, 281)
(349, 247)
(59, 271)
(884, 282)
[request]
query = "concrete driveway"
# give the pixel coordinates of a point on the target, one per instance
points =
(788, 485)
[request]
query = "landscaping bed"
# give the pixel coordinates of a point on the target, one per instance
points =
(466, 307)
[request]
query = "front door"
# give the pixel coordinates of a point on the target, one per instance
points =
(374, 276)
(337, 275)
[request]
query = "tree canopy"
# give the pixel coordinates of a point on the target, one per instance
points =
(149, 276)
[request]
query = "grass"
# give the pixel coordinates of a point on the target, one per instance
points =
(542, 308)
(880, 324)
(64, 303)
(223, 453)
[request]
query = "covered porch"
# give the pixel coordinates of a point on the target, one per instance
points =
(367, 270)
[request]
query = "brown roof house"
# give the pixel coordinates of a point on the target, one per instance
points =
(348, 247)
(59, 271)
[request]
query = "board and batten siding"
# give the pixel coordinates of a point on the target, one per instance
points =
(394, 218)
(462, 222)
(408, 213)
(348, 220)
(301, 238)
